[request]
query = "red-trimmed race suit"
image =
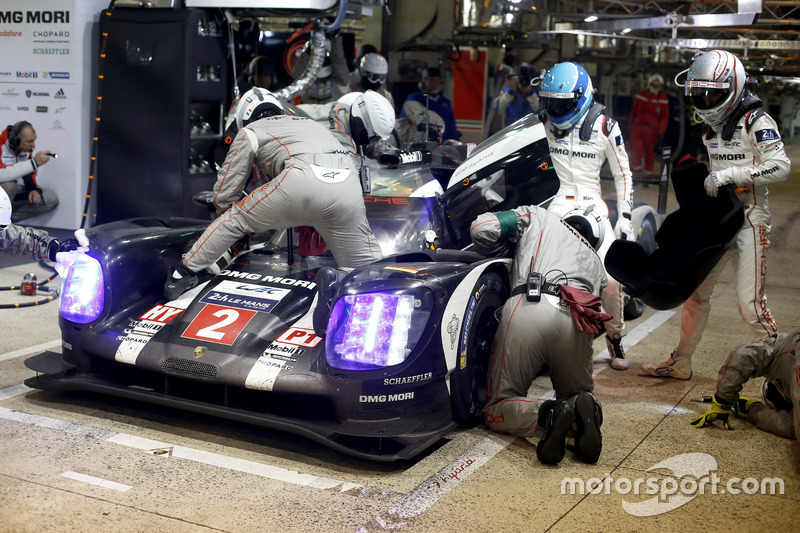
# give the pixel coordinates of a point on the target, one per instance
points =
(533, 336)
(578, 165)
(313, 183)
(755, 157)
(775, 358)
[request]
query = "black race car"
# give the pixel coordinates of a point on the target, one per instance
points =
(379, 362)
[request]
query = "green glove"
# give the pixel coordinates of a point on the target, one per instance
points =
(742, 407)
(720, 410)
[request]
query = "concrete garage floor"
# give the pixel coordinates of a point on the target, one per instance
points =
(82, 462)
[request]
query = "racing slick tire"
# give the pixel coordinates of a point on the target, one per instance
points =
(469, 380)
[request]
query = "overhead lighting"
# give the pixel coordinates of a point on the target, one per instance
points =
(625, 31)
(590, 18)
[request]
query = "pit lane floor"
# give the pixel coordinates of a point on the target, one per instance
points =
(83, 462)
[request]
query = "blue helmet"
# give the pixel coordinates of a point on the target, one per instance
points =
(566, 94)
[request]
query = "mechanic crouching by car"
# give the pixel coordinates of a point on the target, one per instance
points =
(581, 139)
(313, 183)
(549, 322)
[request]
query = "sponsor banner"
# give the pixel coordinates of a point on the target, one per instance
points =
(246, 296)
(40, 39)
(142, 330)
(282, 354)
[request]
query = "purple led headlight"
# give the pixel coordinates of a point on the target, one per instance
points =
(376, 329)
(84, 292)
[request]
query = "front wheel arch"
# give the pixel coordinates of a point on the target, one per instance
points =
(469, 380)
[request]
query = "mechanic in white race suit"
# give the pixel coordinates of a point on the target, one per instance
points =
(314, 182)
(774, 358)
(546, 331)
(581, 139)
(746, 152)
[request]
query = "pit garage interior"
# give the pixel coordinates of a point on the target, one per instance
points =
(80, 461)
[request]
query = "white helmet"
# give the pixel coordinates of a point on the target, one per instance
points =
(371, 116)
(5, 208)
(588, 223)
(373, 69)
(255, 104)
(715, 84)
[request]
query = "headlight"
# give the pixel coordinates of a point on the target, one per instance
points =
(376, 329)
(84, 293)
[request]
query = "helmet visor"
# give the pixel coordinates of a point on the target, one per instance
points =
(558, 104)
(374, 77)
(707, 95)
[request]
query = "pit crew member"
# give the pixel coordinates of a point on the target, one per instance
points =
(776, 359)
(541, 326)
(313, 183)
(581, 139)
(746, 152)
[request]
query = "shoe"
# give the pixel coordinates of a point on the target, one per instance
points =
(741, 408)
(557, 417)
(588, 419)
(179, 280)
(671, 368)
(618, 359)
(773, 397)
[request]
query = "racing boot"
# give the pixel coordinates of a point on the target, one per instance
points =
(588, 419)
(618, 359)
(772, 396)
(179, 280)
(556, 417)
(675, 367)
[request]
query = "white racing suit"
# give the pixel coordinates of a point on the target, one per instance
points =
(578, 165)
(775, 358)
(533, 336)
(754, 156)
(313, 183)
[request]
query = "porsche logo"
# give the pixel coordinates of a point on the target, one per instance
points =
(199, 352)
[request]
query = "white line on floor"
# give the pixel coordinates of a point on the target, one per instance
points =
(16, 390)
(190, 454)
(100, 482)
(30, 349)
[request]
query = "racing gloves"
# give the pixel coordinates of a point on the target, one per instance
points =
(65, 253)
(719, 410)
(585, 309)
(730, 176)
(624, 228)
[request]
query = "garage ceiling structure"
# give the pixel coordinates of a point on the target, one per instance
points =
(764, 33)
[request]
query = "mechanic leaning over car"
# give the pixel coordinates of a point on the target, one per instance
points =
(314, 182)
(746, 152)
(546, 325)
(581, 139)
(776, 359)
(344, 117)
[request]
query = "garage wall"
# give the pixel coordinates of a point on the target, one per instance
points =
(46, 78)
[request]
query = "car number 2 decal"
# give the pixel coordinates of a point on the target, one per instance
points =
(218, 324)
